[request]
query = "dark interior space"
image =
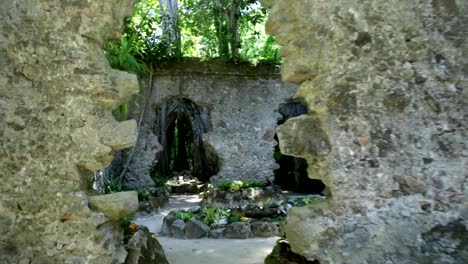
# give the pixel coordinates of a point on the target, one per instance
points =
(180, 125)
(292, 173)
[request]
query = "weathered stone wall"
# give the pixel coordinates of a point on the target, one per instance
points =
(243, 101)
(386, 83)
(56, 127)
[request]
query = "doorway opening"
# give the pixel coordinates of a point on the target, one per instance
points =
(180, 125)
(292, 172)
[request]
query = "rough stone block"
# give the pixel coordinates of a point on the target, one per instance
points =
(195, 229)
(264, 229)
(144, 248)
(119, 135)
(217, 233)
(239, 230)
(177, 228)
(115, 205)
(125, 83)
(303, 136)
(167, 223)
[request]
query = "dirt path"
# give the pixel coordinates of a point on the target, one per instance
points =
(205, 250)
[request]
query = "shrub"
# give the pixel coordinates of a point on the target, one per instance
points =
(185, 216)
(211, 216)
(143, 194)
(159, 181)
(128, 227)
(112, 186)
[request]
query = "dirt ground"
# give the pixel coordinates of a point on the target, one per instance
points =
(205, 250)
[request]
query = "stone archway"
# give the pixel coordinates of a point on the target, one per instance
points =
(180, 121)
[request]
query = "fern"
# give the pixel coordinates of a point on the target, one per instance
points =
(123, 55)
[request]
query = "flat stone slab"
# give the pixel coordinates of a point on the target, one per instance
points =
(115, 205)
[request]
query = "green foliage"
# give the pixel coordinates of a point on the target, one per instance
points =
(159, 181)
(128, 227)
(112, 186)
(252, 184)
(121, 113)
(186, 215)
(305, 201)
(224, 185)
(233, 30)
(238, 185)
(234, 216)
(123, 55)
(143, 194)
(211, 216)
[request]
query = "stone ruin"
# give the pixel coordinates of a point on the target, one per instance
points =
(385, 83)
(238, 112)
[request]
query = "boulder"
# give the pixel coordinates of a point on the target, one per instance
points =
(240, 230)
(196, 229)
(177, 228)
(115, 205)
(282, 254)
(144, 248)
(217, 233)
(264, 229)
(167, 223)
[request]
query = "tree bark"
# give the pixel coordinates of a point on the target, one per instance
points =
(170, 25)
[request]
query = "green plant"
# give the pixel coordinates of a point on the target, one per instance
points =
(211, 216)
(112, 185)
(121, 113)
(234, 216)
(252, 184)
(185, 216)
(232, 30)
(238, 185)
(305, 200)
(143, 194)
(224, 185)
(128, 227)
(159, 181)
(122, 55)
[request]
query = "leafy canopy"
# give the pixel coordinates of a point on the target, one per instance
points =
(168, 29)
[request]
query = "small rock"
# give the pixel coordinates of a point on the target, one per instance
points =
(177, 228)
(196, 229)
(217, 233)
(264, 229)
(239, 230)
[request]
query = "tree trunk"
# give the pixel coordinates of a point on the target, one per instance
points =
(233, 24)
(170, 25)
(220, 23)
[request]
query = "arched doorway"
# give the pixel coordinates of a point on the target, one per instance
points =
(180, 125)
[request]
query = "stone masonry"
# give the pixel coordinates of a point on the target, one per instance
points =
(386, 85)
(56, 95)
(243, 102)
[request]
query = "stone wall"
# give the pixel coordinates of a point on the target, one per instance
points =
(243, 102)
(386, 84)
(56, 127)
